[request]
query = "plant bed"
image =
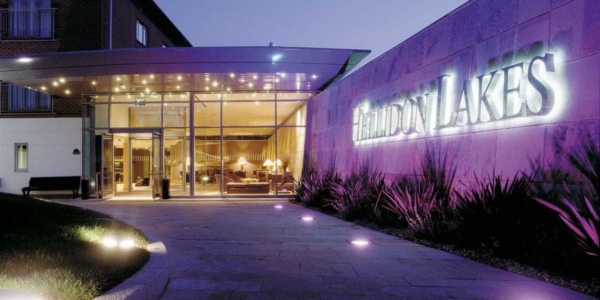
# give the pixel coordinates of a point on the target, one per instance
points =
(589, 286)
(59, 251)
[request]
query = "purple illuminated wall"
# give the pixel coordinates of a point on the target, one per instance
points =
(475, 39)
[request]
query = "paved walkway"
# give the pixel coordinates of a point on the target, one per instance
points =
(253, 251)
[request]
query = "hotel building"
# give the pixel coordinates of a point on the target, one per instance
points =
(497, 85)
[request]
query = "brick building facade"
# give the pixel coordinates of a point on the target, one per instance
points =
(86, 25)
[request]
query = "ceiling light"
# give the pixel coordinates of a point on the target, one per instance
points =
(118, 78)
(276, 79)
(24, 60)
(250, 84)
(215, 83)
(229, 89)
(117, 90)
(178, 87)
(147, 90)
(68, 92)
(206, 78)
(179, 78)
(255, 77)
(276, 57)
(207, 88)
(43, 88)
(144, 82)
(282, 75)
(151, 76)
(314, 76)
(232, 75)
(94, 82)
(62, 80)
(54, 83)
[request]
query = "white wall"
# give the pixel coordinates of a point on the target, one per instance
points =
(51, 144)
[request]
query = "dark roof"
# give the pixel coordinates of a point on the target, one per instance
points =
(160, 19)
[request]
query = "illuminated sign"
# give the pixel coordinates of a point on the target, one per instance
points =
(518, 90)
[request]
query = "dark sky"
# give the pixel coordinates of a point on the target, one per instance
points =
(377, 25)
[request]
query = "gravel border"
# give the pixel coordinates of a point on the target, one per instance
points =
(148, 283)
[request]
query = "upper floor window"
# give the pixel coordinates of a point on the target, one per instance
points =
(20, 99)
(141, 33)
(28, 19)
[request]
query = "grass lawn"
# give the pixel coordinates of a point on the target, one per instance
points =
(55, 250)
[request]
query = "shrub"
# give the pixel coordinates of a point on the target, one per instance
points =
(585, 228)
(413, 202)
(358, 195)
(315, 187)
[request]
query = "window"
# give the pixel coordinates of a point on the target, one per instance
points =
(142, 33)
(21, 99)
(21, 162)
(30, 19)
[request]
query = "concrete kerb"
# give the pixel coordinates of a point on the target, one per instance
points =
(148, 283)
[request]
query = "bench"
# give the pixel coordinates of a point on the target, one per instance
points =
(65, 183)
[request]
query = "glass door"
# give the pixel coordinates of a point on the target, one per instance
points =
(157, 169)
(108, 165)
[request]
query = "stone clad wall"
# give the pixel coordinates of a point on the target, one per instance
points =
(479, 37)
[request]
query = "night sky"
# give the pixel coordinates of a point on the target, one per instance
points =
(377, 25)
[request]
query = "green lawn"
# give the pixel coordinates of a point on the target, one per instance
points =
(56, 252)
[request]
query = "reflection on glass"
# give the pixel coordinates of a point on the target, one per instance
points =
(176, 114)
(135, 115)
(207, 160)
(291, 113)
(177, 163)
(255, 113)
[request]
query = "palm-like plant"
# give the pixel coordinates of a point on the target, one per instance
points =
(585, 228)
(414, 202)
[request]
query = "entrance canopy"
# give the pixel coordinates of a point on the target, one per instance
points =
(230, 69)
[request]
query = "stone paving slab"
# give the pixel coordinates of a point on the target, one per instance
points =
(249, 250)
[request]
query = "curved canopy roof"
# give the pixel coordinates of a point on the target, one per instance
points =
(184, 69)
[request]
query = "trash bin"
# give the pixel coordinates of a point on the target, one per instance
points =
(166, 186)
(85, 189)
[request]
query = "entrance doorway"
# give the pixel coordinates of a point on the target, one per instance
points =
(131, 164)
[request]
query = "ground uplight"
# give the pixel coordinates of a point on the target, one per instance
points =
(109, 242)
(307, 219)
(127, 244)
(360, 243)
(278, 206)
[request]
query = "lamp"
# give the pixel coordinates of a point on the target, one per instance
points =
(278, 164)
(242, 161)
(268, 164)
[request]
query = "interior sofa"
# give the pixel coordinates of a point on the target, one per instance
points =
(235, 185)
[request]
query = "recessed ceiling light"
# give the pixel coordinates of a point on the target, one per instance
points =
(179, 78)
(282, 75)
(151, 76)
(276, 79)
(256, 102)
(178, 87)
(314, 76)
(24, 60)
(255, 77)
(54, 83)
(94, 82)
(232, 75)
(250, 84)
(43, 88)
(117, 90)
(207, 88)
(215, 83)
(68, 92)
(118, 78)
(144, 81)
(147, 90)
(62, 80)
(276, 57)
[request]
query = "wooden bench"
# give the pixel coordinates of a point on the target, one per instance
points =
(65, 183)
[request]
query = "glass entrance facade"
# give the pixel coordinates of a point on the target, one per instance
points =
(215, 142)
